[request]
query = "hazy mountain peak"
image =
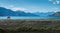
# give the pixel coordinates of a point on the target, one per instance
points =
(8, 12)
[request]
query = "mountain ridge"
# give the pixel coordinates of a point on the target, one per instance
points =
(8, 12)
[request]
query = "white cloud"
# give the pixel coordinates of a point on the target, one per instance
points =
(55, 9)
(54, 2)
(57, 2)
(17, 8)
(12, 7)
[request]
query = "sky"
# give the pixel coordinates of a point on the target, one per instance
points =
(31, 5)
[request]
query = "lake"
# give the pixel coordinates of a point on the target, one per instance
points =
(16, 17)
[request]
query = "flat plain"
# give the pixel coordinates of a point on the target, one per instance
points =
(30, 26)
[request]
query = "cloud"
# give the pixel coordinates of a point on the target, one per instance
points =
(55, 9)
(55, 1)
(12, 7)
(17, 8)
(58, 2)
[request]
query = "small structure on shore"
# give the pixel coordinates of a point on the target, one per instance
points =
(8, 17)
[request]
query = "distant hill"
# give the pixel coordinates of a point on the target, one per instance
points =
(43, 14)
(56, 14)
(22, 13)
(8, 12)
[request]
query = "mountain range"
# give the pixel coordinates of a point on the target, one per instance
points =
(9, 12)
(44, 13)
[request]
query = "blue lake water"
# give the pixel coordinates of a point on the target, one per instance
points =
(28, 17)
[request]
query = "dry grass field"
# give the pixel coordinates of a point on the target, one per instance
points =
(30, 26)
